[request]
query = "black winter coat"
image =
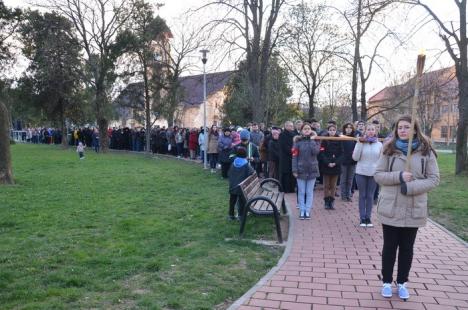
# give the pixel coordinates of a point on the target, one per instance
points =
(273, 150)
(348, 148)
(331, 152)
(285, 158)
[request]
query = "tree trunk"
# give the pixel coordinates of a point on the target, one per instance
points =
(147, 109)
(64, 129)
(461, 161)
(356, 58)
(102, 121)
(6, 173)
(311, 104)
(363, 94)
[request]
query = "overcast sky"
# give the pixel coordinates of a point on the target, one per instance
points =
(400, 60)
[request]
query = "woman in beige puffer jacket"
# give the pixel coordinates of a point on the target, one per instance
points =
(402, 204)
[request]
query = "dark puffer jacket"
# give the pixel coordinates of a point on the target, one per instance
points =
(348, 149)
(304, 158)
(331, 152)
(238, 172)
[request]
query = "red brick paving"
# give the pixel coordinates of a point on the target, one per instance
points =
(335, 264)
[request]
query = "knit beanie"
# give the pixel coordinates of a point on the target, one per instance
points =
(245, 135)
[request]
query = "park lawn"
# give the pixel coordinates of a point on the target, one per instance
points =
(122, 231)
(448, 203)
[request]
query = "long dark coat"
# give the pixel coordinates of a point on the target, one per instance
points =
(285, 155)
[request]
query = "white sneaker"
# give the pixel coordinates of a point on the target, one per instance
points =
(403, 291)
(387, 290)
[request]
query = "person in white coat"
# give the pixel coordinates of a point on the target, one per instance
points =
(366, 153)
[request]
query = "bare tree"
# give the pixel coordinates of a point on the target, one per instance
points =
(360, 18)
(437, 88)
(143, 32)
(252, 21)
(97, 23)
(454, 36)
(177, 60)
(309, 47)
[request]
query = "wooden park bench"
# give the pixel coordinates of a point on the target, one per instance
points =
(262, 201)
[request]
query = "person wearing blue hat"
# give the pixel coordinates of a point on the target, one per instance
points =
(253, 156)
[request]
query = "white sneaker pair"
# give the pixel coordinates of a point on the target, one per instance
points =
(402, 291)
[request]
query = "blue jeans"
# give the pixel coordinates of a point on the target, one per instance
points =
(305, 190)
(366, 186)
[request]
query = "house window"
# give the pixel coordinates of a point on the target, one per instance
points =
(455, 108)
(445, 108)
(444, 132)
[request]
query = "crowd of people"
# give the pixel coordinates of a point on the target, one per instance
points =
(300, 154)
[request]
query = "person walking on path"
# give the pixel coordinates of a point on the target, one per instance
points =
(402, 205)
(366, 153)
(330, 158)
(348, 165)
(305, 168)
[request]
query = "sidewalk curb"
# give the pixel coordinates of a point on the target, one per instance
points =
(448, 232)
(239, 302)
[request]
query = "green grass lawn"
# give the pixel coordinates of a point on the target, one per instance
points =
(448, 203)
(122, 231)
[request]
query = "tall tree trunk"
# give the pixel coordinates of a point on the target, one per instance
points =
(147, 110)
(461, 161)
(64, 130)
(311, 103)
(6, 173)
(363, 93)
(102, 121)
(356, 59)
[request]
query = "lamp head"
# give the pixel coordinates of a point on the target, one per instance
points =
(204, 52)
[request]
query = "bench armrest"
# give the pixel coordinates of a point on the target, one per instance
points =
(271, 180)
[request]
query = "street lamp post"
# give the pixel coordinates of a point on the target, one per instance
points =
(205, 140)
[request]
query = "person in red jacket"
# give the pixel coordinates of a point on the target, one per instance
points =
(193, 143)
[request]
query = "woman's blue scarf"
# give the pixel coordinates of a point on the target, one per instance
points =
(402, 145)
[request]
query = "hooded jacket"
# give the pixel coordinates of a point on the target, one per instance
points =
(238, 172)
(403, 204)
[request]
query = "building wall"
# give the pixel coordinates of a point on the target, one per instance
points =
(188, 116)
(445, 115)
(192, 115)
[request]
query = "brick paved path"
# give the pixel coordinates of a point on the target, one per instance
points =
(335, 264)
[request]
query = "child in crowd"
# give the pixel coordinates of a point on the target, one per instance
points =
(80, 149)
(238, 172)
(305, 168)
(331, 156)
